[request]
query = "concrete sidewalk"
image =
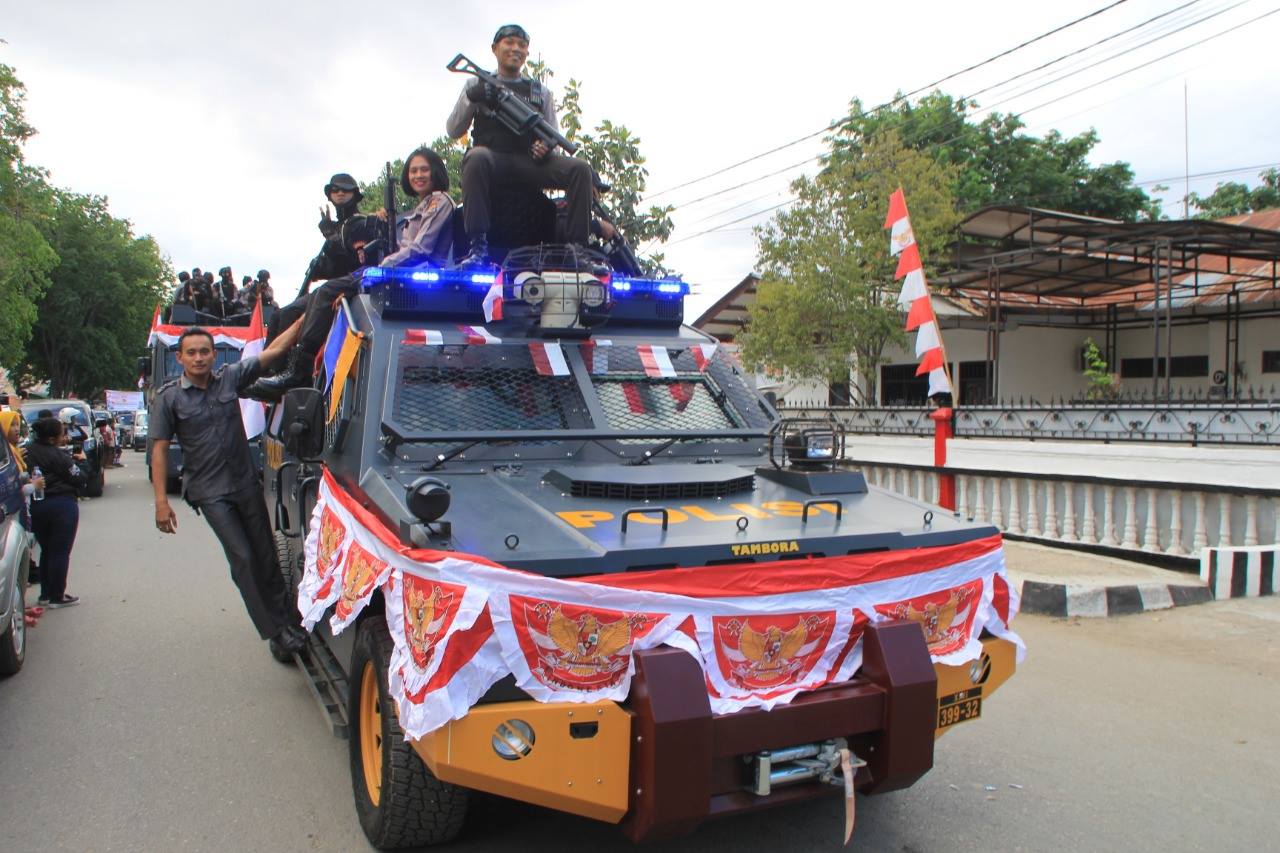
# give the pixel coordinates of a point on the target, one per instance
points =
(1063, 582)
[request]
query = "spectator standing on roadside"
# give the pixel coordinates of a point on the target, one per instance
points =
(55, 519)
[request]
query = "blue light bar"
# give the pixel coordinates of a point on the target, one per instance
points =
(665, 288)
(426, 275)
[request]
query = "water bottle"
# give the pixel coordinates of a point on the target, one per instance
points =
(37, 474)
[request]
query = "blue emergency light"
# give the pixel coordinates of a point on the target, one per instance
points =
(428, 275)
(665, 288)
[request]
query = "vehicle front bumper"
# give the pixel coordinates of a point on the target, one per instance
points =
(662, 762)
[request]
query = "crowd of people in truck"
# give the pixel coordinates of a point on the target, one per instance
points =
(221, 297)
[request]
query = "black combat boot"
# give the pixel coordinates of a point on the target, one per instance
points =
(296, 374)
(479, 254)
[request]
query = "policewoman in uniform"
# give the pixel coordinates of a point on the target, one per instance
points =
(202, 409)
(497, 154)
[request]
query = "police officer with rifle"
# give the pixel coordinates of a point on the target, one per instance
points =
(513, 125)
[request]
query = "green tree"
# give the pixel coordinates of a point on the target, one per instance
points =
(997, 163)
(827, 302)
(94, 316)
(25, 205)
(1233, 198)
(1101, 380)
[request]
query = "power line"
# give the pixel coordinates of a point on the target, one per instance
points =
(1152, 61)
(1013, 114)
(836, 124)
(1177, 17)
(1023, 112)
(867, 113)
(1149, 42)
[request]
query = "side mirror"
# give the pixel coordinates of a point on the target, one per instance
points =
(303, 423)
(144, 365)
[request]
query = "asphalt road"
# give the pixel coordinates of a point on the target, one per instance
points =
(151, 718)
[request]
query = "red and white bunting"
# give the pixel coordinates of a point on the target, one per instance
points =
(656, 361)
(478, 335)
(762, 632)
(914, 297)
(702, 355)
(899, 224)
(493, 303)
(168, 334)
(548, 358)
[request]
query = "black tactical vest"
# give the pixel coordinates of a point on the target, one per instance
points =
(491, 133)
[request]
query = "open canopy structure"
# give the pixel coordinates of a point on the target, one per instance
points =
(1064, 269)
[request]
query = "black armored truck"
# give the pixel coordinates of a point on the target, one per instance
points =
(552, 545)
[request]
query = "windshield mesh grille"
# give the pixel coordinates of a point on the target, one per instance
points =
(444, 389)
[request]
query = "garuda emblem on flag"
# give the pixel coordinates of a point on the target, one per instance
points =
(332, 532)
(765, 652)
(582, 648)
(429, 609)
(946, 617)
(360, 575)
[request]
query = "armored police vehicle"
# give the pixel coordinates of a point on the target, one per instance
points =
(552, 421)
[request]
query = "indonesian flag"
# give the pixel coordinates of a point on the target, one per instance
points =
(656, 361)
(702, 355)
(428, 337)
(478, 335)
(548, 358)
(493, 303)
(914, 298)
(252, 412)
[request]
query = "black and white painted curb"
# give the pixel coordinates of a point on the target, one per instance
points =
(1244, 572)
(1060, 599)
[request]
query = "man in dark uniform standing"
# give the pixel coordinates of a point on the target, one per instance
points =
(497, 154)
(202, 409)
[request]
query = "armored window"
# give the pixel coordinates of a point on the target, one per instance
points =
(689, 397)
(480, 388)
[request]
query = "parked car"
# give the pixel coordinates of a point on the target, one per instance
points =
(15, 552)
(139, 437)
(124, 428)
(93, 449)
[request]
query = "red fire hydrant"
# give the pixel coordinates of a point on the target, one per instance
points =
(942, 432)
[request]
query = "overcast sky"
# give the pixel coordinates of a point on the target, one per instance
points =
(214, 126)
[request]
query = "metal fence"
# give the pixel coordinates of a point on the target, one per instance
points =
(1193, 418)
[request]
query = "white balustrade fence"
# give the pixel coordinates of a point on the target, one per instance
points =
(1168, 519)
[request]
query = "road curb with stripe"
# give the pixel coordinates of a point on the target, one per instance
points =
(1245, 572)
(1060, 599)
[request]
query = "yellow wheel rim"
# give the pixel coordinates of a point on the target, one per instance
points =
(371, 733)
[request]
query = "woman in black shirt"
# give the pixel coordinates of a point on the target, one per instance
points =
(55, 519)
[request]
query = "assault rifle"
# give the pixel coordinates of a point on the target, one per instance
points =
(389, 202)
(510, 109)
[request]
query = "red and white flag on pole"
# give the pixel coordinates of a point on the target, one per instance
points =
(914, 298)
(252, 412)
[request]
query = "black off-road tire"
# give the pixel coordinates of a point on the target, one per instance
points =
(414, 809)
(285, 560)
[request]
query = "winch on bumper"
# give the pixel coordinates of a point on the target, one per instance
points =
(662, 762)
